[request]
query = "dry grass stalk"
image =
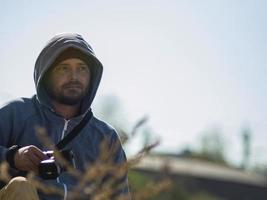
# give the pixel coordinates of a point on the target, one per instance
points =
(153, 189)
(101, 179)
(4, 174)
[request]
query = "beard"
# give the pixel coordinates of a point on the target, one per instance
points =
(69, 94)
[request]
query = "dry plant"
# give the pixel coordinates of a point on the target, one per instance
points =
(152, 189)
(100, 181)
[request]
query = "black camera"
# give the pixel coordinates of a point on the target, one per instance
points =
(50, 168)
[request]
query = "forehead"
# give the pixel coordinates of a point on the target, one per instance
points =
(70, 61)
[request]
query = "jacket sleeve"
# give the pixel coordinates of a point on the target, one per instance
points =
(6, 129)
(120, 162)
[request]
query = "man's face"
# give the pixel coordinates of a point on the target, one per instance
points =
(68, 82)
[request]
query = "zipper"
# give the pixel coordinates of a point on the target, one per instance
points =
(65, 188)
(62, 136)
(64, 128)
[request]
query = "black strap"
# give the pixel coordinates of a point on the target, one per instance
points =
(75, 131)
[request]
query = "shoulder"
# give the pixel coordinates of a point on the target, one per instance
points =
(20, 106)
(104, 128)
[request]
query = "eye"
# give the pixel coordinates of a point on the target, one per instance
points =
(61, 68)
(83, 68)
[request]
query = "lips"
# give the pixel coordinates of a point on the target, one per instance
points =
(73, 85)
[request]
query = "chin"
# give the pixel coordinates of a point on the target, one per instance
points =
(71, 101)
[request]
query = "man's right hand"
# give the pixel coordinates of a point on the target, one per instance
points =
(28, 158)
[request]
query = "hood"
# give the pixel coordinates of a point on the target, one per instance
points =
(48, 55)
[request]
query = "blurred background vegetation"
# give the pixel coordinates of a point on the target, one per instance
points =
(211, 147)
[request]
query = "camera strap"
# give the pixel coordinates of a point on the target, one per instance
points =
(75, 131)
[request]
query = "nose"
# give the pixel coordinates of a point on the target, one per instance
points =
(74, 74)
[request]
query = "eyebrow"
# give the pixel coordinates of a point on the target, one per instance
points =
(82, 63)
(79, 63)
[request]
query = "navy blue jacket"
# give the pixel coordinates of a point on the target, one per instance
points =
(21, 119)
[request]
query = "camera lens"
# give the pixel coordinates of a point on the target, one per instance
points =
(48, 169)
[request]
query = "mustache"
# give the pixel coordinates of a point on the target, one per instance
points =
(73, 84)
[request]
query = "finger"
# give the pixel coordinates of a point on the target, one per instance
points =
(27, 165)
(34, 159)
(38, 153)
(31, 166)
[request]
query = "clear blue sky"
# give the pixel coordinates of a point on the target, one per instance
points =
(190, 66)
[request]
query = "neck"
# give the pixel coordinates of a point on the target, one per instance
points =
(67, 111)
